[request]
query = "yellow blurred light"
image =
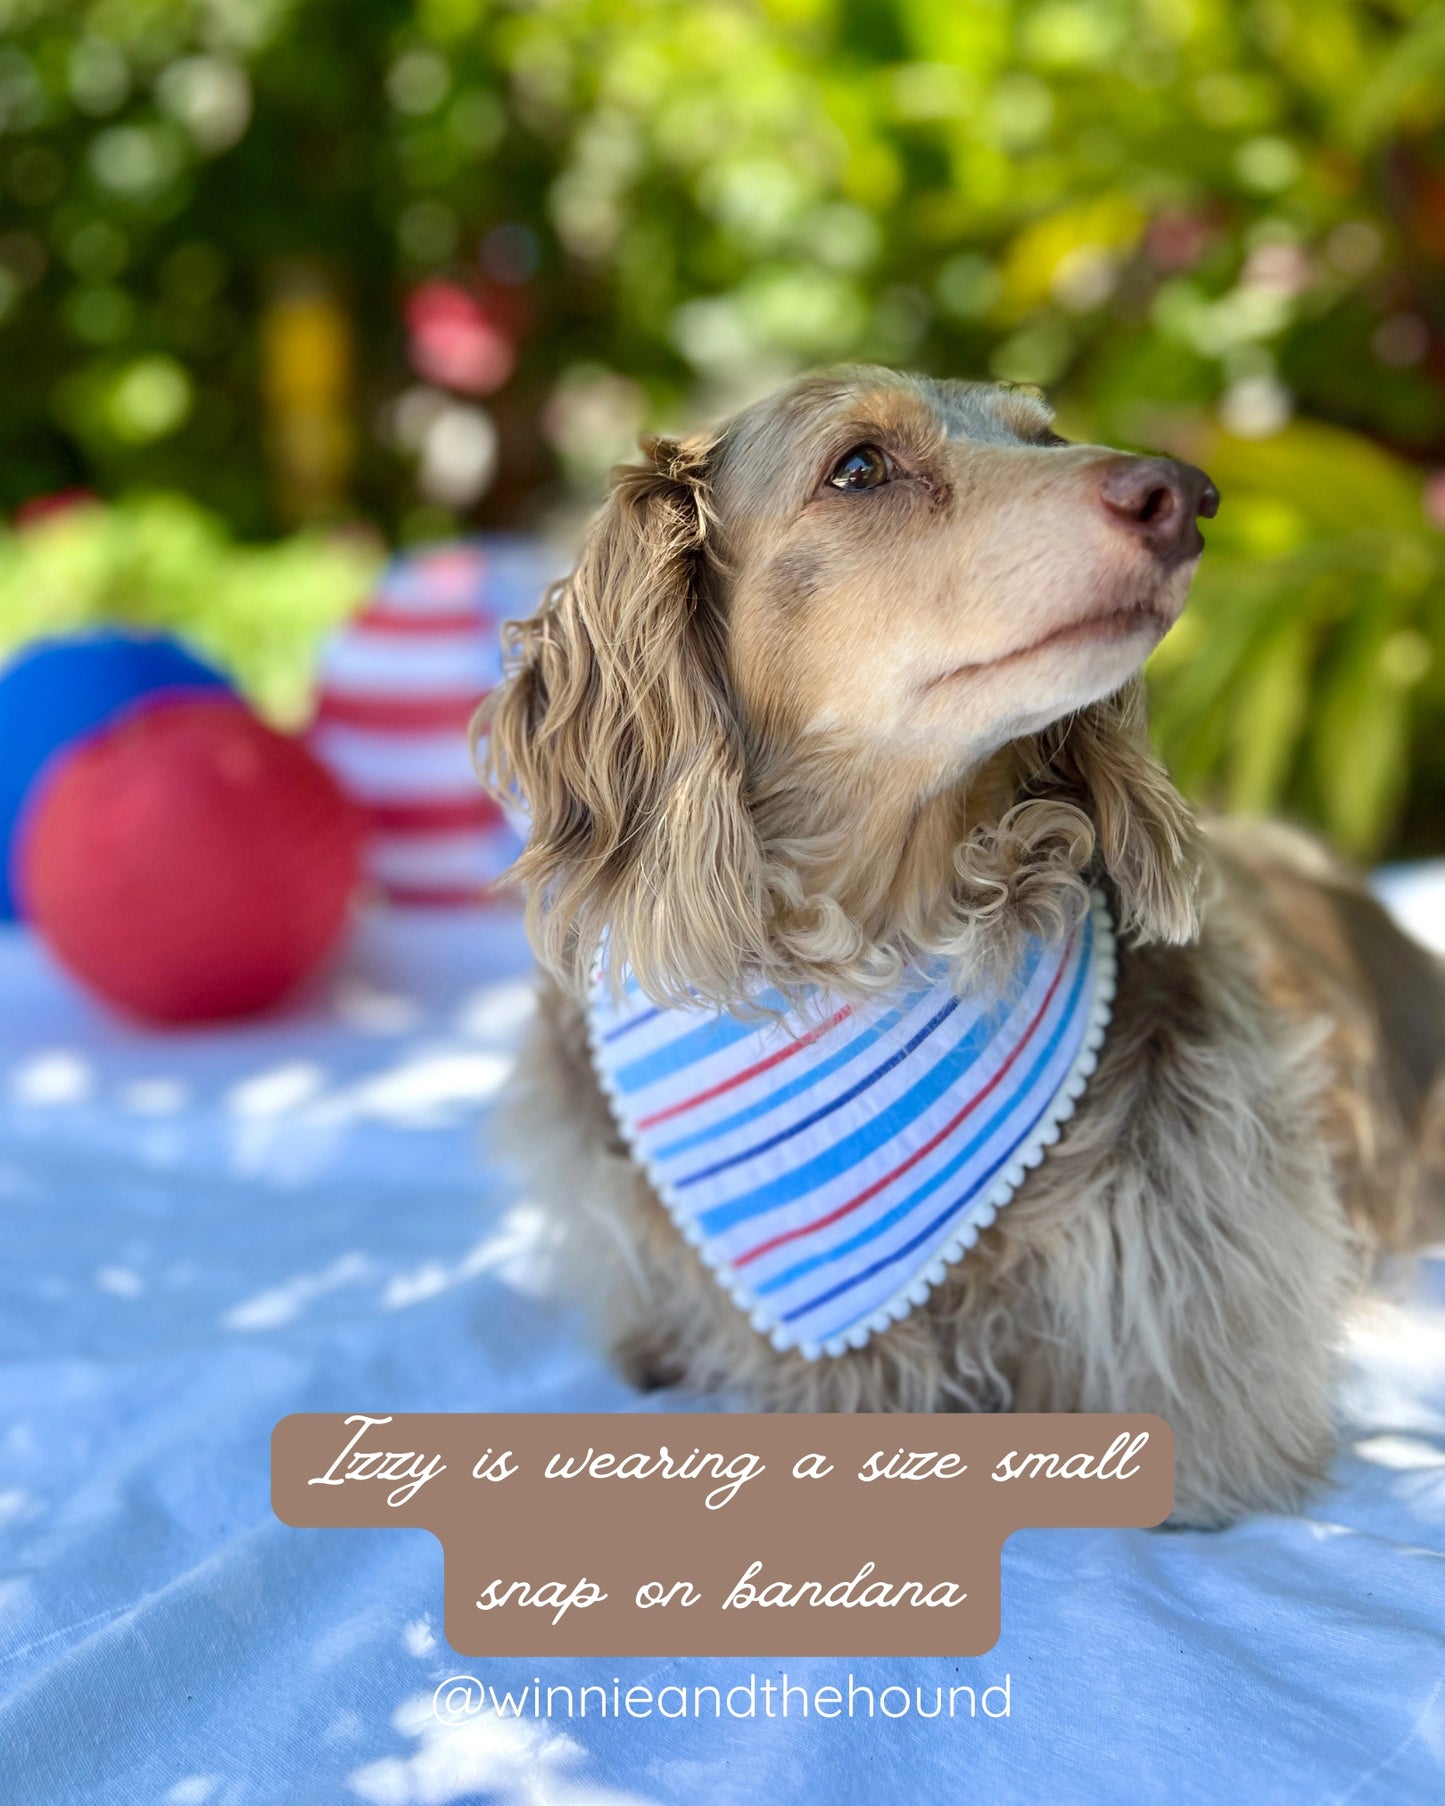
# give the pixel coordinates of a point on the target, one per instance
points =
(306, 374)
(1107, 226)
(1267, 164)
(148, 400)
(1265, 526)
(1405, 658)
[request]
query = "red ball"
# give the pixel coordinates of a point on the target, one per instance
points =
(189, 863)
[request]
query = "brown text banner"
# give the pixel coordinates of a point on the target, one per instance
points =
(614, 1535)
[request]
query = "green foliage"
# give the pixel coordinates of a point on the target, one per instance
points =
(1309, 670)
(1212, 224)
(257, 612)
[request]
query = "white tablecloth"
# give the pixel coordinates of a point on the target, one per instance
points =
(202, 1233)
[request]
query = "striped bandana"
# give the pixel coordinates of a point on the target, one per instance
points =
(830, 1165)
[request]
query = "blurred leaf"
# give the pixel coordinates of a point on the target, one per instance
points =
(1407, 84)
(1360, 744)
(1331, 479)
(259, 613)
(1268, 717)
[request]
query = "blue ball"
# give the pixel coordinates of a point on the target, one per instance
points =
(61, 689)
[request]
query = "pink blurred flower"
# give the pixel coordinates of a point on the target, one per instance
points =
(1176, 239)
(46, 507)
(1435, 499)
(455, 342)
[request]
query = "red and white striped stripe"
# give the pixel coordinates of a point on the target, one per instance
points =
(399, 686)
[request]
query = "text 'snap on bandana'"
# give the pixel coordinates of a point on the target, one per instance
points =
(829, 1163)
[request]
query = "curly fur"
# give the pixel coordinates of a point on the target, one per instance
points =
(713, 790)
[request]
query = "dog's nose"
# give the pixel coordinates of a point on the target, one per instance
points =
(1160, 500)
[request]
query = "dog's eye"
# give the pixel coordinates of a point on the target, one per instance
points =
(865, 467)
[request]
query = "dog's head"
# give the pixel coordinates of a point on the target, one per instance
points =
(827, 687)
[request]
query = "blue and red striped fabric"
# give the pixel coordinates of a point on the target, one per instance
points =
(828, 1166)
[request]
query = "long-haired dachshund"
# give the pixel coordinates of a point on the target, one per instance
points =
(904, 1043)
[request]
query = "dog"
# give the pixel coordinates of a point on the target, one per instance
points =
(849, 690)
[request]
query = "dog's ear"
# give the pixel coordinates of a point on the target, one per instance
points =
(1145, 833)
(613, 732)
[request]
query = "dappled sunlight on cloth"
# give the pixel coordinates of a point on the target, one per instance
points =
(204, 1233)
(513, 1761)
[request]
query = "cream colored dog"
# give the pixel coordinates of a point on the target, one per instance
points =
(852, 683)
